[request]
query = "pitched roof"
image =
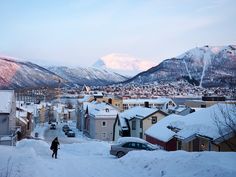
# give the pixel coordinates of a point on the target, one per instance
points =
(200, 123)
(100, 109)
(152, 101)
(137, 112)
(203, 122)
(161, 131)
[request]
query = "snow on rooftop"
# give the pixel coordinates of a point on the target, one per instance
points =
(6, 100)
(138, 112)
(130, 139)
(160, 130)
(151, 101)
(100, 109)
(84, 99)
(201, 122)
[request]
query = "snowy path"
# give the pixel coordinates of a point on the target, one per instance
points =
(49, 135)
(88, 159)
(81, 157)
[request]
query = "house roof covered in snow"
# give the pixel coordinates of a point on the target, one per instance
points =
(137, 112)
(200, 123)
(151, 101)
(6, 100)
(100, 109)
(85, 98)
(161, 131)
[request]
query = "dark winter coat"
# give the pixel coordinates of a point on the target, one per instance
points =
(55, 144)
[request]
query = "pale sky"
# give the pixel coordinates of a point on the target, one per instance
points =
(77, 33)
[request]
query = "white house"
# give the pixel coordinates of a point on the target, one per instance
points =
(160, 103)
(99, 120)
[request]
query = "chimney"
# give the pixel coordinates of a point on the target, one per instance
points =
(146, 104)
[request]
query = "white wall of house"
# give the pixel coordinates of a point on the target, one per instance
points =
(102, 128)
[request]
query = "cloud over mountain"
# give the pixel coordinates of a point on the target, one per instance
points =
(124, 64)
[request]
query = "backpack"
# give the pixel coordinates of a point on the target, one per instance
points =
(51, 147)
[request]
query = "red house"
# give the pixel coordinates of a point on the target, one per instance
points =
(162, 133)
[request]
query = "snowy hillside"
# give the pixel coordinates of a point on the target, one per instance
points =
(88, 76)
(205, 66)
(15, 74)
(123, 64)
(32, 158)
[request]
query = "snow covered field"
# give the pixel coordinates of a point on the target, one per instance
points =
(90, 158)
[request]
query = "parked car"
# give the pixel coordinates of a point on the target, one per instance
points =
(126, 144)
(71, 134)
(65, 127)
(67, 130)
(53, 126)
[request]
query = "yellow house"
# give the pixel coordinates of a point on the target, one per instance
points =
(135, 121)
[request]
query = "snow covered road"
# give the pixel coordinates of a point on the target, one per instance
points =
(84, 157)
(49, 134)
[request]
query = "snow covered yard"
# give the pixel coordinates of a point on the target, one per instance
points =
(32, 158)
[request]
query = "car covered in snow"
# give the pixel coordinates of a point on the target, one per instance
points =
(65, 128)
(70, 134)
(126, 144)
(53, 126)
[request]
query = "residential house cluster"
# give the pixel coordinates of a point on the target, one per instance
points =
(134, 115)
(160, 121)
(209, 129)
(18, 118)
(156, 90)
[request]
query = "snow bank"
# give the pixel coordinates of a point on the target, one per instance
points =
(31, 158)
(21, 160)
(38, 147)
(91, 148)
(181, 163)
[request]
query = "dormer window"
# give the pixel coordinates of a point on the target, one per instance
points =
(107, 110)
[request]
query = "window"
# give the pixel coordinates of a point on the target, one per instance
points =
(107, 110)
(104, 135)
(133, 125)
(129, 145)
(126, 145)
(141, 124)
(140, 135)
(154, 119)
(104, 123)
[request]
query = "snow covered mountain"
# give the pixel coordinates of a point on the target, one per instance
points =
(16, 74)
(88, 76)
(206, 66)
(123, 64)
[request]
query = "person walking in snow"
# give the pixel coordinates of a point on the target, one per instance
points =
(54, 147)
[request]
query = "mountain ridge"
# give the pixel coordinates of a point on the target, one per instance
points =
(202, 66)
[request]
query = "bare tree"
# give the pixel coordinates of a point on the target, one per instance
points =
(225, 121)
